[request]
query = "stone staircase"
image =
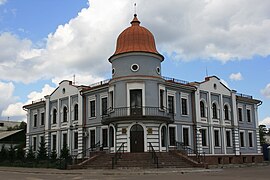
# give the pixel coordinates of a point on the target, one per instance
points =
(137, 160)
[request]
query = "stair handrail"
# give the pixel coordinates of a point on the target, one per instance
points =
(200, 157)
(118, 154)
(154, 154)
(94, 148)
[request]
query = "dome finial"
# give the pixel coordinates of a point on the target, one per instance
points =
(135, 21)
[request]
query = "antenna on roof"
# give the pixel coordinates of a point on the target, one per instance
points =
(74, 79)
(135, 8)
(206, 71)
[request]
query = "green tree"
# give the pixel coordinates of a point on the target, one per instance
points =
(20, 154)
(30, 155)
(262, 132)
(42, 151)
(65, 153)
(3, 153)
(11, 153)
(53, 156)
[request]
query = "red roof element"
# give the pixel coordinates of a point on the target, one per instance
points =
(135, 39)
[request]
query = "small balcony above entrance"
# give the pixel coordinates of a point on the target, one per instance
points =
(137, 113)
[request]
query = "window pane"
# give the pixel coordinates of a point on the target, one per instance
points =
(242, 141)
(76, 140)
(250, 139)
(204, 140)
(186, 136)
(240, 114)
(216, 132)
(92, 108)
(228, 138)
(105, 137)
(202, 108)
(104, 106)
(248, 115)
(184, 106)
(172, 136)
(171, 104)
(161, 101)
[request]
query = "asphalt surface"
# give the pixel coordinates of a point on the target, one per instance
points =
(244, 173)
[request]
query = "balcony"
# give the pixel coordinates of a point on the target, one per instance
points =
(137, 113)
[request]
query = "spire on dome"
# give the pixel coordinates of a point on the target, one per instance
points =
(135, 21)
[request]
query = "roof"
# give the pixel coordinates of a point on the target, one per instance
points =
(136, 39)
(4, 134)
(5, 124)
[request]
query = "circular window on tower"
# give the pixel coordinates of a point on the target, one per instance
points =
(134, 67)
(113, 71)
(158, 70)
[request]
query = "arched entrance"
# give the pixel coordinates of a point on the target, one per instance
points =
(136, 138)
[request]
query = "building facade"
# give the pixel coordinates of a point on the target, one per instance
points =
(138, 108)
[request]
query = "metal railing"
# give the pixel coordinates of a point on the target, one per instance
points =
(118, 155)
(153, 154)
(200, 157)
(175, 80)
(100, 83)
(137, 111)
(87, 152)
(244, 95)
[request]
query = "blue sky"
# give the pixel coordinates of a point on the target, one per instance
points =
(45, 41)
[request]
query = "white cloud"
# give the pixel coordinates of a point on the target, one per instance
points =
(236, 76)
(266, 91)
(14, 110)
(34, 95)
(219, 30)
(265, 121)
(2, 2)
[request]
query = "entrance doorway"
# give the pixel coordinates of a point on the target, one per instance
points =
(136, 138)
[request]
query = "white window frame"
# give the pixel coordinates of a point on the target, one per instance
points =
(176, 135)
(89, 132)
(184, 96)
(111, 104)
(252, 139)
(218, 110)
(161, 87)
(231, 140)
(101, 96)
(240, 107)
(132, 86)
(248, 107)
(206, 136)
(229, 111)
(244, 140)
(219, 137)
(62, 113)
(62, 138)
(35, 114)
(189, 134)
(56, 144)
(35, 136)
(205, 108)
(171, 93)
(101, 136)
(41, 118)
(73, 139)
(92, 98)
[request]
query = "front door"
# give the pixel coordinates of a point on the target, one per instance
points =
(136, 102)
(136, 138)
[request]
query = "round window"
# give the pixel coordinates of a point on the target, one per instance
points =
(134, 67)
(113, 71)
(63, 90)
(158, 70)
(215, 86)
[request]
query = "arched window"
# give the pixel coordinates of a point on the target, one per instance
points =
(54, 116)
(214, 108)
(76, 112)
(226, 112)
(65, 114)
(202, 108)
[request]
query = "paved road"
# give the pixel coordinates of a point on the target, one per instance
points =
(247, 173)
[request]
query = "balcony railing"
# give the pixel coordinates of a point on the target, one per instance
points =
(244, 95)
(138, 112)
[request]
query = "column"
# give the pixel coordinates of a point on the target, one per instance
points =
(47, 124)
(235, 124)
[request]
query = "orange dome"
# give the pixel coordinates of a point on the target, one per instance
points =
(135, 39)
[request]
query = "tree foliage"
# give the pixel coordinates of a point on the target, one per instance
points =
(31, 155)
(42, 151)
(3, 153)
(262, 133)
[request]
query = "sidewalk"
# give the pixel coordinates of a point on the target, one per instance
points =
(133, 171)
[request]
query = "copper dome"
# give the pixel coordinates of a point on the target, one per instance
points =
(135, 39)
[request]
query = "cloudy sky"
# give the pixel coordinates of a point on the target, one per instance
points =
(43, 42)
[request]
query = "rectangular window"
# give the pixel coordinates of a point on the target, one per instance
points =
(228, 139)
(35, 120)
(161, 99)
(104, 105)
(204, 137)
(111, 100)
(216, 134)
(64, 139)
(242, 139)
(250, 139)
(54, 142)
(105, 137)
(248, 115)
(172, 136)
(92, 138)
(42, 119)
(240, 118)
(75, 140)
(186, 136)
(93, 108)
(171, 104)
(42, 139)
(184, 106)
(34, 143)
